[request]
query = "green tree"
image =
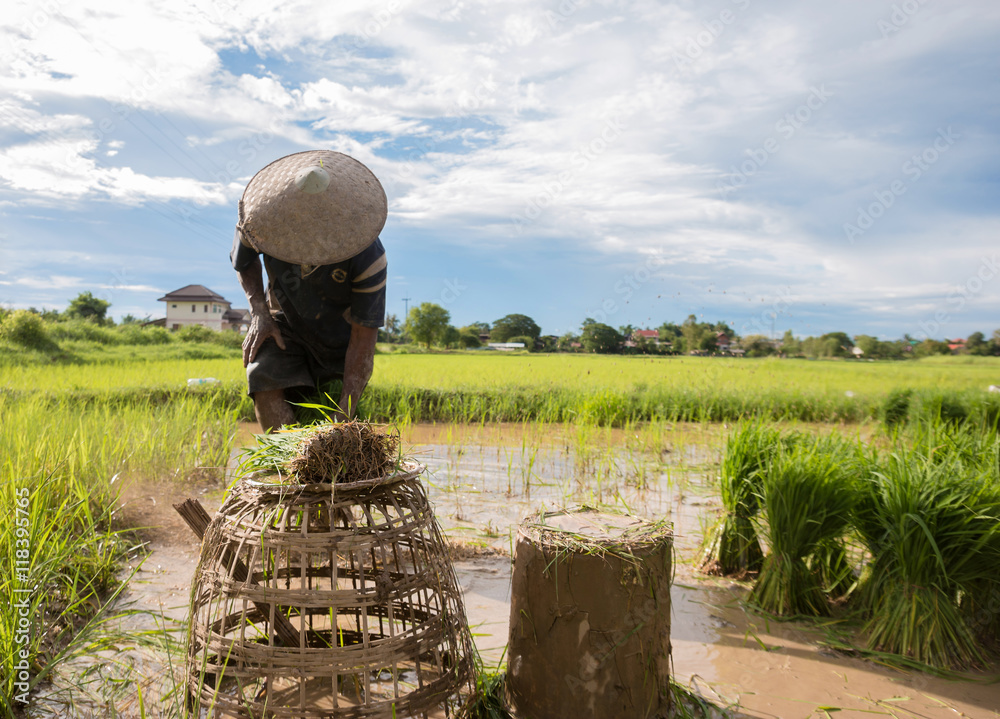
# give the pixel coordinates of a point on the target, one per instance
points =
(469, 340)
(869, 345)
(600, 338)
(393, 330)
(513, 325)
(88, 307)
(789, 345)
(26, 328)
(836, 344)
(995, 343)
(478, 328)
(693, 332)
(427, 322)
(709, 341)
(566, 342)
(757, 346)
(976, 344)
(450, 337)
(931, 347)
(528, 342)
(669, 331)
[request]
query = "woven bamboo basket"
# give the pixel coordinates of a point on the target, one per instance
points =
(327, 600)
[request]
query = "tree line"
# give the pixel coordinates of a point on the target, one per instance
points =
(429, 324)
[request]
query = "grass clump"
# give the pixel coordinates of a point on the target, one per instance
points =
(27, 330)
(808, 497)
(932, 525)
(328, 452)
(734, 548)
(61, 474)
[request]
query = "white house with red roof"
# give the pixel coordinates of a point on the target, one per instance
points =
(198, 305)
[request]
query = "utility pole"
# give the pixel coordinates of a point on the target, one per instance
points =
(406, 308)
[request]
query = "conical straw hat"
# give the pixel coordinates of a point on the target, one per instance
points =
(312, 208)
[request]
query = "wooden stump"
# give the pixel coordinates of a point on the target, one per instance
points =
(590, 617)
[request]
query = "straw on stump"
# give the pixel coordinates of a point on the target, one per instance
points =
(590, 617)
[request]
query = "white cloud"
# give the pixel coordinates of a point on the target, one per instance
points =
(54, 282)
(600, 128)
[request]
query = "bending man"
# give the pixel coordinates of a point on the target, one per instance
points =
(314, 217)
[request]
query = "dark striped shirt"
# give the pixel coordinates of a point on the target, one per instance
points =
(320, 302)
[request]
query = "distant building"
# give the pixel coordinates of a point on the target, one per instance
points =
(648, 336)
(505, 346)
(722, 342)
(956, 346)
(198, 305)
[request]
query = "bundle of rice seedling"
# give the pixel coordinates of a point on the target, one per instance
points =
(807, 497)
(734, 548)
(330, 452)
(932, 527)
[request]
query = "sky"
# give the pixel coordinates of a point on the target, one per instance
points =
(767, 163)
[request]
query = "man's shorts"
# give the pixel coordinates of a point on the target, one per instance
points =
(299, 365)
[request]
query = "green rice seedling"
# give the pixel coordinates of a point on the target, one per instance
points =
(896, 406)
(489, 696)
(733, 547)
(807, 497)
(61, 472)
(324, 452)
(932, 527)
(832, 565)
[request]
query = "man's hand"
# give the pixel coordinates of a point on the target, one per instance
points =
(261, 324)
(261, 327)
(358, 364)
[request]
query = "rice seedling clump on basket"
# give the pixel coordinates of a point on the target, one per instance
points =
(733, 548)
(807, 494)
(329, 452)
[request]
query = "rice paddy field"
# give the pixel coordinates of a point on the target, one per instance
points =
(604, 390)
(858, 500)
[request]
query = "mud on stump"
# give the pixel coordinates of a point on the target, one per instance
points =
(327, 600)
(590, 617)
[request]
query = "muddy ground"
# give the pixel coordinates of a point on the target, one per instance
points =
(483, 482)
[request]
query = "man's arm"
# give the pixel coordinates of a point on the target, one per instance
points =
(261, 324)
(358, 364)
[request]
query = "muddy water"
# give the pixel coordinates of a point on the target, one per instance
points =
(483, 481)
